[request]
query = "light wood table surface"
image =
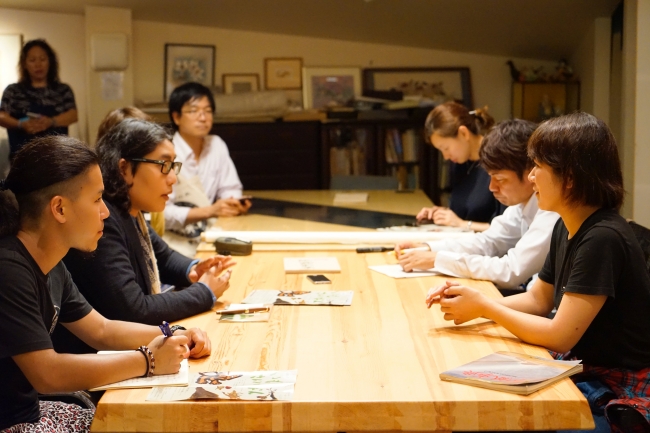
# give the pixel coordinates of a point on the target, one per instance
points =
(372, 366)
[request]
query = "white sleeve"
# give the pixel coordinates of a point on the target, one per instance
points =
(175, 216)
(229, 185)
(511, 269)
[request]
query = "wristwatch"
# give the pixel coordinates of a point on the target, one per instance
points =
(176, 328)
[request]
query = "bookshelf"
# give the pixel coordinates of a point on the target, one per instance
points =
(381, 147)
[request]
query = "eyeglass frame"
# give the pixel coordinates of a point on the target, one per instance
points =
(162, 163)
(196, 113)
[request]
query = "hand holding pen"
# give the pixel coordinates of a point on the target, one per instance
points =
(414, 256)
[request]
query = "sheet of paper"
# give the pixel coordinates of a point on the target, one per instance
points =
(396, 271)
(311, 265)
(232, 385)
(179, 379)
(299, 297)
(350, 197)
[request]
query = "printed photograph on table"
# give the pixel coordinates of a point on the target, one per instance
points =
(283, 73)
(185, 63)
(240, 83)
(428, 86)
(324, 88)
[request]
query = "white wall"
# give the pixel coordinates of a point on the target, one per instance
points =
(65, 32)
(244, 52)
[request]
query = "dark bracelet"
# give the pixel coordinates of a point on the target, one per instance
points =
(176, 328)
(151, 362)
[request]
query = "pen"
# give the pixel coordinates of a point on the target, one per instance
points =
(244, 310)
(374, 249)
(408, 250)
(165, 329)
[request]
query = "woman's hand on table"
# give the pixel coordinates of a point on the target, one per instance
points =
(458, 303)
(199, 342)
(215, 282)
(411, 260)
(221, 263)
(168, 353)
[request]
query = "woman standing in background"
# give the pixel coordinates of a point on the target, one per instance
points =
(38, 104)
(457, 133)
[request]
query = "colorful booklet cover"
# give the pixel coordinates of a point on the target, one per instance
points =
(294, 297)
(512, 372)
(246, 313)
(232, 385)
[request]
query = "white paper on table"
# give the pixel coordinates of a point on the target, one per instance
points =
(396, 271)
(178, 379)
(314, 265)
(351, 197)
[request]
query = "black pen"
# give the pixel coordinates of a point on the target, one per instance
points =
(374, 249)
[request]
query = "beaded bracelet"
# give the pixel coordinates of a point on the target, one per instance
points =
(151, 362)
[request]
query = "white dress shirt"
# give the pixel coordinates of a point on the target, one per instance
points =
(510, 252)
(215, 170)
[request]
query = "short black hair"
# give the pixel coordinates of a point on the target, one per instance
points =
(131, 138)
(505, 147)
(581, 151)
(185, 93)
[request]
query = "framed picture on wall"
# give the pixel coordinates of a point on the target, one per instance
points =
(329, 87)
(240, 83)
(437, 84)
(283, 73)
(185, 63)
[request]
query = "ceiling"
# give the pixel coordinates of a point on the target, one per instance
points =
(542, 29)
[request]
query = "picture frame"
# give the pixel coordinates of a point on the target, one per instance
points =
(240, 83)
(328, 87)
(284, 73)
(185, 63)
(438, 83)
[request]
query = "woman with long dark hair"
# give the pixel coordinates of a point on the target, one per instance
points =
(458, 133)
(39, 103)
(50, 202)
(124, 278)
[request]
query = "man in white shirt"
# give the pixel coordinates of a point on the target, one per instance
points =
(209, 179)
(515, 246)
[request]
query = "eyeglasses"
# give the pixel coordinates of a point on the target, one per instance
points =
(165, 166)
(194, 112)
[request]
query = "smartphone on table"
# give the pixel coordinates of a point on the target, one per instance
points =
(319, 279)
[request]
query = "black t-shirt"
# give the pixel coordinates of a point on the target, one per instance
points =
(30, 305)
(19, 99)
(471, 198)
(604, 258)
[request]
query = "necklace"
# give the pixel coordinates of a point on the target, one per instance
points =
(471, 166)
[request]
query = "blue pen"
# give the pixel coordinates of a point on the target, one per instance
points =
(165, 329)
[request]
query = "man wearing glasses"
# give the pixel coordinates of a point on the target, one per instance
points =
(209, 181)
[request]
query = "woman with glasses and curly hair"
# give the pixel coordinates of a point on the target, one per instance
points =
(124, 278)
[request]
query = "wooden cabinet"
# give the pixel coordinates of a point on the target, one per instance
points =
(541, 101)
(274, 155)
(303, 155)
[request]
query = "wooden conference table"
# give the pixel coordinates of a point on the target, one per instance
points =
(371, 366)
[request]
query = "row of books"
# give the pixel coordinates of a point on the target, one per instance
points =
(401, 146)
(348, 160)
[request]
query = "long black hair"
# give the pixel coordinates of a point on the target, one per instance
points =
(53, 69)
(40, 170)
(131, 138)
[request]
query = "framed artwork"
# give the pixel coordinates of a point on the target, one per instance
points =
(240, 83)
(329, 87)
(437, 84)
(283, 73)
(185, 63)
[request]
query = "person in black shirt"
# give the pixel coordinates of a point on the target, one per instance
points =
(457, 133)
(50, 202)
(39, 104)
(594, 275)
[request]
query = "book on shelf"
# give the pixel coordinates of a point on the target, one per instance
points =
(340, 161)
(517, 373)
(397, 143)
(410, 145)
